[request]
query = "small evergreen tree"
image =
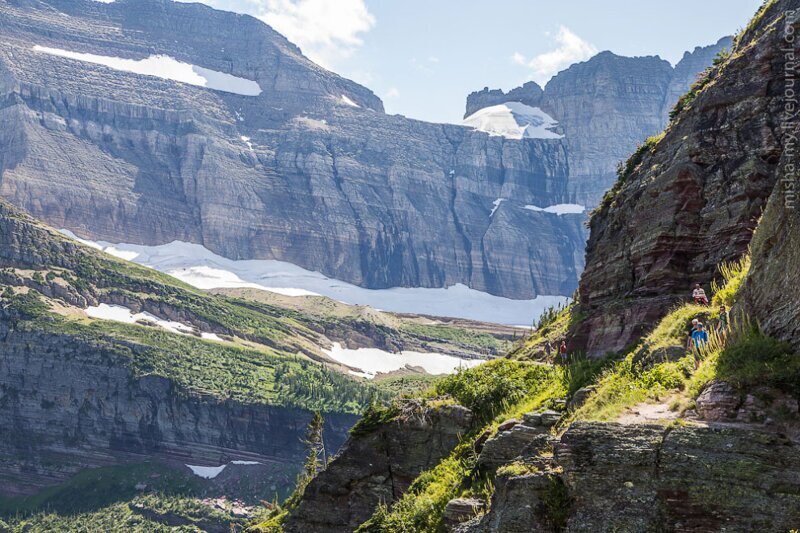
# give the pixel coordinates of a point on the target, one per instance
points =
(317, 459)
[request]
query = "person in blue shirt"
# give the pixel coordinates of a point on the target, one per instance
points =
(700, 336)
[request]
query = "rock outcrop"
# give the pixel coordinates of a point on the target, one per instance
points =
(771, 292)
(689, 201)
(309, 171)
(529, 93)
(645, 478)
(606, 106)
(377, 467)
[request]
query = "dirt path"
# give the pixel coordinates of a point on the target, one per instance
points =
(647, 413)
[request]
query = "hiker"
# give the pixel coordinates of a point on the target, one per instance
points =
(723, 319)
(699, 295)
(563, 351)
(548, 349)
(689, 338)
(700, 336)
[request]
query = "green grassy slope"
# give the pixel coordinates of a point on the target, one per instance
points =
(265, 359)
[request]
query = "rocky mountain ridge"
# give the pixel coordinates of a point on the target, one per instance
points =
(606, 106)
(309, 171)
(624, 439)
(688, 201)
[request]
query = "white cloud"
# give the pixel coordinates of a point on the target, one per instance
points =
(325, 30)
(393, 92)
(433, 59)
(519, 59)
(571, 49)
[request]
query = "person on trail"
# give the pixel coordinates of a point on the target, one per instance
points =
(563, 351)
(700, 336)
(699, 295)
(689, 338)
(548, 349)
(723, 319)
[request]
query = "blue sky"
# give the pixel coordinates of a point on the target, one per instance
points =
(422, 57)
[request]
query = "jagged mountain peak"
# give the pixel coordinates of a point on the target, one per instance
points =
(191, 32)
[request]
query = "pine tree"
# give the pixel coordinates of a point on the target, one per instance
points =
(317, 458)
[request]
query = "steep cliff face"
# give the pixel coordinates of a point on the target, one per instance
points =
(606, 106)
(376, 466)
(70, 404)
(689, 201)
(771, 292)
(688, 69)
(282, 161)
(529, 93)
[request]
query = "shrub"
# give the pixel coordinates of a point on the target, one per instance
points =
(492, 386)
(733, 275)
(375, 416)
(756, 359)
(580, 372)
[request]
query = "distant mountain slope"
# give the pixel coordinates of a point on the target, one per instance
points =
(81, 393)
(309, 170)
(194, 378)
(606, 106)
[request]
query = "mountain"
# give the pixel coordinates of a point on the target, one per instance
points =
(605, 107)
(694, 194)
(115, 376)
(613, 438)
(229, 384)
(150, 121)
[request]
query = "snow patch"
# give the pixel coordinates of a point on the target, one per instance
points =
(514, 120)
(496, 204)
(246, 140)
(558, 209)
(119, 313)
(197, 266)
(349, 102)
(165, 67)
(373, 360)
(207, 472)
(210, 472)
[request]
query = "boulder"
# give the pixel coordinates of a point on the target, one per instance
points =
(461, 510)
(507, 445)
(580, 397)
(719, 400)
(550, 418)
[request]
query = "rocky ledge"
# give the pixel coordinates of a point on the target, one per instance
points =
(610, 477)
(377, 465)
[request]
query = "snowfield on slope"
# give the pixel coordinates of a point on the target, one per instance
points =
(197, 266)
(165, 67)
(372, 361)
(514, 120)
(558, 209)
(210, 472)
(119, 313)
